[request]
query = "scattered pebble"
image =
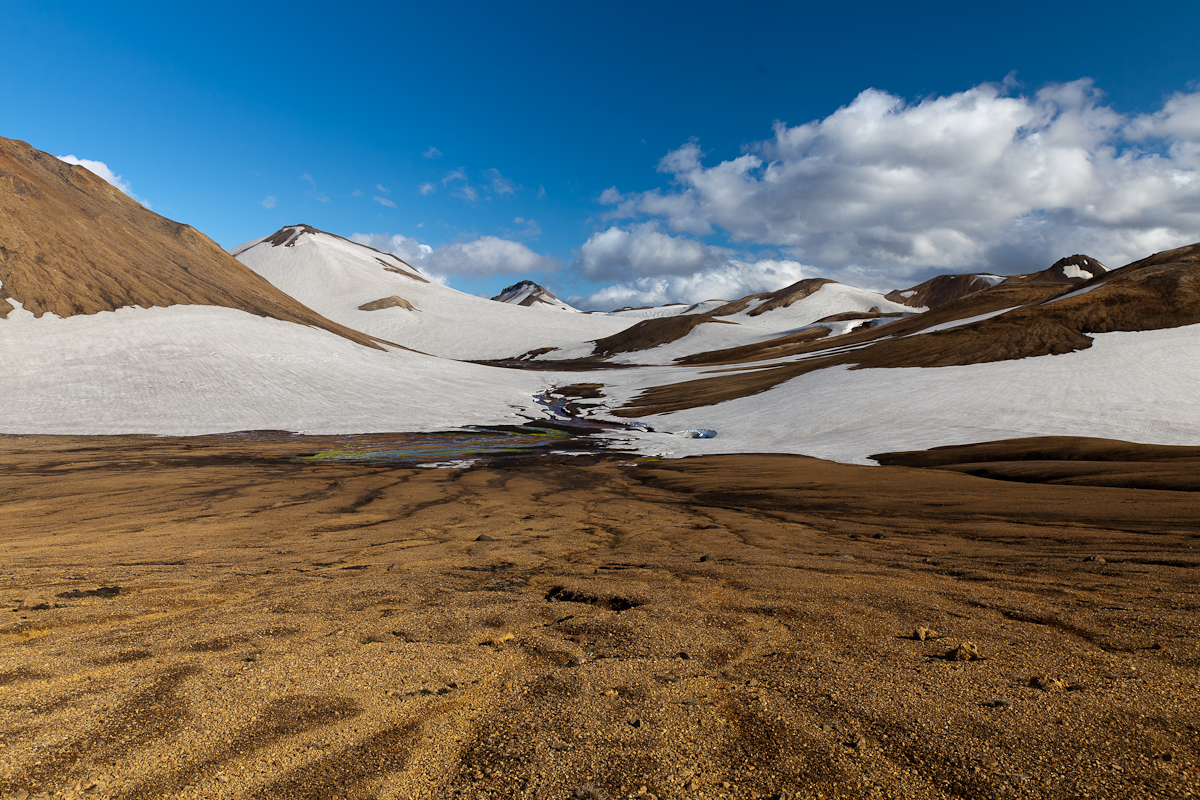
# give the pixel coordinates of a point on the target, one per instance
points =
(1046, 683)
(967, 651)
(1096, 559)
(922, 634)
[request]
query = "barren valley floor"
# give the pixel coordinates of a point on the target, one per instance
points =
(213, 620)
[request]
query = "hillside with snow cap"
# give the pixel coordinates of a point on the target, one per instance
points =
(532, 295)
(354, 284)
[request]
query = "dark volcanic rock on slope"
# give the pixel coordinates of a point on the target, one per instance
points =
(72, 244)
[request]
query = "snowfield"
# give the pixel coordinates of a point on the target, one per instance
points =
(189, 370)
(1127, 386)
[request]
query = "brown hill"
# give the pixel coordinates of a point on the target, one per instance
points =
(1045, 319)
(72, 244)
(769, 301)
(941, 289)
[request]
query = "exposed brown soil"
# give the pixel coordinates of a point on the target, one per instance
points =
(939, 290)
(72, 244)
(651, 333)
(780, 298)
(1065, 461)
(731, 626)
(387, 302)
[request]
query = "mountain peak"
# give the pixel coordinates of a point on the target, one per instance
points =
(532, 295)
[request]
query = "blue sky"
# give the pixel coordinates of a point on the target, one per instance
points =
(636, 152)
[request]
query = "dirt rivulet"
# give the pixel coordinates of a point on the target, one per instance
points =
(215, 621)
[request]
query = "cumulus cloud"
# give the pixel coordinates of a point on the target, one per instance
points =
(432, 153)
(884, 188)
(652, 267)
(101, 170)
(487, 255)
(269, 202)
(426, 188)
(383, 201)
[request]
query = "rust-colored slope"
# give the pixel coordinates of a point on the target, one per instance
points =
(769, 301)
(72, 244)
(651, 333)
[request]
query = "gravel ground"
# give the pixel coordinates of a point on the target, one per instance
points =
(214, 621)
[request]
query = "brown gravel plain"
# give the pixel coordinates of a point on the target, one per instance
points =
(727, 626)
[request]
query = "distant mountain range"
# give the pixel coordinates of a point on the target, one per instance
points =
(114, 319)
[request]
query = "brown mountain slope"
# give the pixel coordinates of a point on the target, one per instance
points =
(72, 244)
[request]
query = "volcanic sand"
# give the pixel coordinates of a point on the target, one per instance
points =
(727, 626)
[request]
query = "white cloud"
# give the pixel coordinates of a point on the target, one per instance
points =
(530, 229)
(488, 255)
(426, 188)
(269, 202)
(653, 267)
(357, 193)
(466, 191)
(883, 188)
(383, 201)
(431, 153)
(101, 170)
(500, 184)
(379, 186)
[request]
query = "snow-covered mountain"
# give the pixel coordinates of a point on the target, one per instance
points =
(116, 320)
(532, 295)
(378, 293)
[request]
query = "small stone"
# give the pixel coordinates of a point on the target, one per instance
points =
(610, 693)
(590, 791)
(860, 743)
(922, 634)
(827, 728)
(878, 536)
(1096, 559)
(637, 723)
(1046, 683)
(692, 786)
(501, 639)
(705, 558)
(34, 604)
(21, 795)
(967, 651)
(684, 656)
(998, 702)
(559, 745)
(577, 661)
(483, 537)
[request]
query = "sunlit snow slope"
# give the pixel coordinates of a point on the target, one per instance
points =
(378, 293)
